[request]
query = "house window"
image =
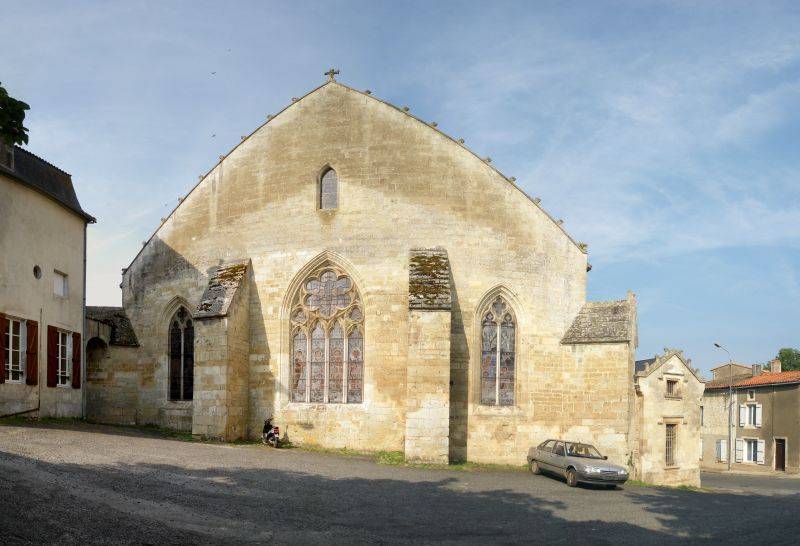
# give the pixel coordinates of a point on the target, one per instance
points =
(751, 451)
(498, 355)
(702, 416)
(329, 190)
(64, 354)
(671, 440)
(181, 356)
(751, 395)
(327, 324)
(672, 388)
(750, 415)
(14, 357)
(722, 451)
(60, 284)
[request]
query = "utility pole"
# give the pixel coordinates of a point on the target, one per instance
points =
(731, 451)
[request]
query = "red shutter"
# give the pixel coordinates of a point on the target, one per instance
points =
(32, 355)
(3, 330)
(76, 360)
(52, 356)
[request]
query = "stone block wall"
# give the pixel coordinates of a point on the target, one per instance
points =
(428, 387)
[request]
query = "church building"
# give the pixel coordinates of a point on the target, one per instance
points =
(372, 284)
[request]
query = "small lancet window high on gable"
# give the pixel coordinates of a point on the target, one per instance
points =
(329, 190)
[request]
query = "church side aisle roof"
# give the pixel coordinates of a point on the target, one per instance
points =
(602, 322)
(122, 333)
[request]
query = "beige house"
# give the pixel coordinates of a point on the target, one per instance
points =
(668, 443)
(371, 283)
(42, 284)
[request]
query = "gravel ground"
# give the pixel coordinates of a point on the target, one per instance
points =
(84, 484)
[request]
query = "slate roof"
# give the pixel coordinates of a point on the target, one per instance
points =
(602, 322)
(429, 279)
(39, 175)
(122, 332)
(758, 381)
(222, 286)
(641, 365)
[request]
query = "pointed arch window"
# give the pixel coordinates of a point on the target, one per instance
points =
(181, 356)
(327, 325)
(498, 354)
(329, 190)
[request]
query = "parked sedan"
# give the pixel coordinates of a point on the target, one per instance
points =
(577, 462)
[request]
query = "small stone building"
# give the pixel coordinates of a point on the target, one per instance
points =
(668, 443)
(42, 285)
(371, 283)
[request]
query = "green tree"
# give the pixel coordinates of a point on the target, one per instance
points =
(790, 359)
(12, 114)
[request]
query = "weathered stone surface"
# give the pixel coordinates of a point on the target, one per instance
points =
(122, 333)
(601, 322)
(221, 289)
(429, 279)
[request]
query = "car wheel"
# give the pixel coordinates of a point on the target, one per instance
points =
(535, 468)
(572, 478)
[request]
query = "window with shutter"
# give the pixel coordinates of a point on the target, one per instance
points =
(760, 451)
(15, 347)
(739, 450)
(758, 415)
(742, 415)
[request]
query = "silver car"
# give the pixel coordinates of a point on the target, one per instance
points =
(577, 462)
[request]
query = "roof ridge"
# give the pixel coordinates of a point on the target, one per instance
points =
(62, 171)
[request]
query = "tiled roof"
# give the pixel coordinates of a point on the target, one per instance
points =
(122, 332)
(757, 381)
(770, 379)
(641, 365)
(38, 174)
(429, 279)
(222, 286)
(602, 322)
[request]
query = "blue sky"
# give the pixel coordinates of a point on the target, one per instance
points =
(665, 134)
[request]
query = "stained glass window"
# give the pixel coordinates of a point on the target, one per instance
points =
(355, 366)
(329, 190)
(299, 354)
(336, 364)
(498, 355)
(181, 356)
(317, 365)
(325, 308)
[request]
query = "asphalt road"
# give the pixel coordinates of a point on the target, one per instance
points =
(83, 484)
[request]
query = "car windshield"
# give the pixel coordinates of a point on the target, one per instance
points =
(583, 450)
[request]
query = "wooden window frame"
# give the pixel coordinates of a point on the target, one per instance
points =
(64, 287)
(8, 362)
(63, 358)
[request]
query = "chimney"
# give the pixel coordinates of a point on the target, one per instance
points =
(756, 369)
(775, 365)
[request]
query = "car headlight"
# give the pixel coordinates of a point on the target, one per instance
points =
(593, 469)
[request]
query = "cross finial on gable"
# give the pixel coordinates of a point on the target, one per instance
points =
(331, 73)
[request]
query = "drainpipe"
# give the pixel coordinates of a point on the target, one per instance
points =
(83, 328)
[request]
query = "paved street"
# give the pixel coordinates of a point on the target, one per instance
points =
(78, 484)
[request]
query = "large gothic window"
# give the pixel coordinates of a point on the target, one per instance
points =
(327, 325)
(181, 356)
(329, 190)
(498, 361)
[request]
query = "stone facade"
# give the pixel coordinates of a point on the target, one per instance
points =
(430, 236)
(42, 240)
(669, 392)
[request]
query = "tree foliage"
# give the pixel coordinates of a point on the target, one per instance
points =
(790, 359)
(12, 115)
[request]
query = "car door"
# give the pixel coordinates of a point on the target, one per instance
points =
(544, 455)
(558, 459)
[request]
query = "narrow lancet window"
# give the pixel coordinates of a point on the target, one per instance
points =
(498, 355)
(329, 190)
(181, 356)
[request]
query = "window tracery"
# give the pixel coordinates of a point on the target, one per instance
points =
(327, 322)
(498, 355)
